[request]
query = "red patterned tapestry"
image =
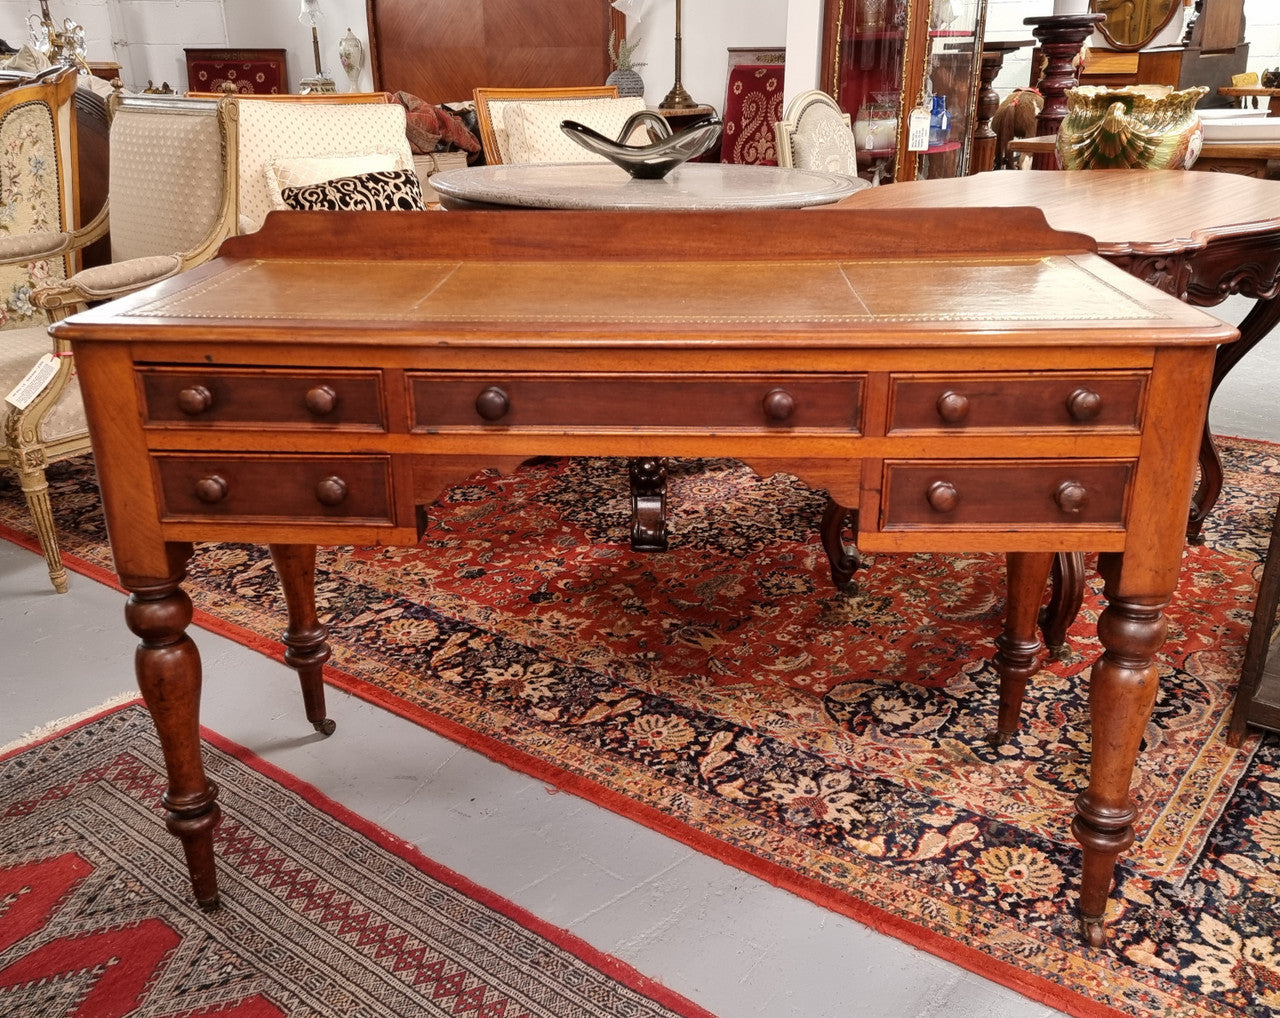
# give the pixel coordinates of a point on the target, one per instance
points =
(324, 915)
(752, 106)
(724, 693)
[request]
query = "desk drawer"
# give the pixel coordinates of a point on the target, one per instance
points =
(717, 403)
(1110, 402)
(273, 487)
(983, 494)
(250, 396)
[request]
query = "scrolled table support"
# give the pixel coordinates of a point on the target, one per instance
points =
(648, 503)
(167, 664)
(1122, 693)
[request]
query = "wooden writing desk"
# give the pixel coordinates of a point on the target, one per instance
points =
(966, 388)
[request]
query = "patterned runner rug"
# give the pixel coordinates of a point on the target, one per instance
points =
(324, 915)
(724, 693)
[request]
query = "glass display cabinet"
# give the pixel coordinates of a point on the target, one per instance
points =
(907, 73)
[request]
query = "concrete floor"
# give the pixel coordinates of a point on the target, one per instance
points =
(736, 945)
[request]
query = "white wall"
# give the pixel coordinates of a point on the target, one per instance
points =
(146, 37)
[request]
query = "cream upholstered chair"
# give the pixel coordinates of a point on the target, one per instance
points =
(522, 125)
(815, 134)
(293, 140)
(168, 208)
(45, 421)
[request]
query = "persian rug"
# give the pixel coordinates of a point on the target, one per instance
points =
(323, 916)
(725, 693)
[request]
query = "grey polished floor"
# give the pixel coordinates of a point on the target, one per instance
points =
(736, 945)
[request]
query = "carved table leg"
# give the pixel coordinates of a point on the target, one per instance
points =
(842, 555)
(167, 663)
(1122, 692)
(648, 504)
(1261, 319)
(1018, 648)
(1065, 598)
(306, 640)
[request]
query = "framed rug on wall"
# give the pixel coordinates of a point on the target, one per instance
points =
(247, 71)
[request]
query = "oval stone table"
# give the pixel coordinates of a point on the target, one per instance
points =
(598, 186)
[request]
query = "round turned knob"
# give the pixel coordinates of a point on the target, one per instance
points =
(321, 400)
(1071, 496)
(212, 489)
(942, 496)
(492, 404)
(953, 407)
(194, 399)
(779, 404)
(332, 491)
(1084, 404)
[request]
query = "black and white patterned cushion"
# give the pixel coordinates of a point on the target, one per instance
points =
(381, 191)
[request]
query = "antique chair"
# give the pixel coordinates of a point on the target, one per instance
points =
(296, 140)
(816, 134)
(522, 125)
(168, 207)
(45, 422)
(752, 105)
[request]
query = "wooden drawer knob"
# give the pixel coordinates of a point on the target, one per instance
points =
(953, 407)
(321, 400)
(779, 404)
(194, 400)
(332, 491)
(1071, 496)
(942, 496)
(1084, 404)
(492, 404)
(212, 489)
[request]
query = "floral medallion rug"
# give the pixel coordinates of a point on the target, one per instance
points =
(725, 693)
(323, 915)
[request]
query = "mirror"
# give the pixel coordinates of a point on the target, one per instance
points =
(1132, 24)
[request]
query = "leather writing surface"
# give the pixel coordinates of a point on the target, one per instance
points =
(1046, 291)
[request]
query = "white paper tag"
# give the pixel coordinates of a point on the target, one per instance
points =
(37, 378)
(918, 130)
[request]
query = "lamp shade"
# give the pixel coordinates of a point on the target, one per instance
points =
(310, 12)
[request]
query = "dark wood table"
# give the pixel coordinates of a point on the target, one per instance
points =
(1199, 236)
(970, 382)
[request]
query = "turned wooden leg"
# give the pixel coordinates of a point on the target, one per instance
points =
(1018, 648)
(306, 640)
(168, 669)
(35, 489)
(1122, 692)
(1066, 595)
(842, 555)
(648, 504)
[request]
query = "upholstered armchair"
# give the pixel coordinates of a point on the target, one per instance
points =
(816, 134)
(297, 141)
(168, 208)
(43, 418)
(522, 125)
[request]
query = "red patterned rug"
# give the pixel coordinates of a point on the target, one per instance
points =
(724, 693)
(324, 915)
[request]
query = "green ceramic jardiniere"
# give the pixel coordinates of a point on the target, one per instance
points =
(1150, 127)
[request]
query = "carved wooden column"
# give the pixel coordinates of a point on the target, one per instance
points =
(1060, 37)
(983, 153)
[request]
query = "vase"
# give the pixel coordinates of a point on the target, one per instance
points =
(351, 56)
(627, 81)
(1151, 127)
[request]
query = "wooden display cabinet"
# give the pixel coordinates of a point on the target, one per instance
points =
(878, 55)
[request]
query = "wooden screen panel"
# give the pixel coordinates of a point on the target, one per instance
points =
(439, 50)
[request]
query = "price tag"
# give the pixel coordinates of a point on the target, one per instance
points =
(41, 373)
(918, 130)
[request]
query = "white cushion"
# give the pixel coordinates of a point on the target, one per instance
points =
(534, 135)
(302, 172)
